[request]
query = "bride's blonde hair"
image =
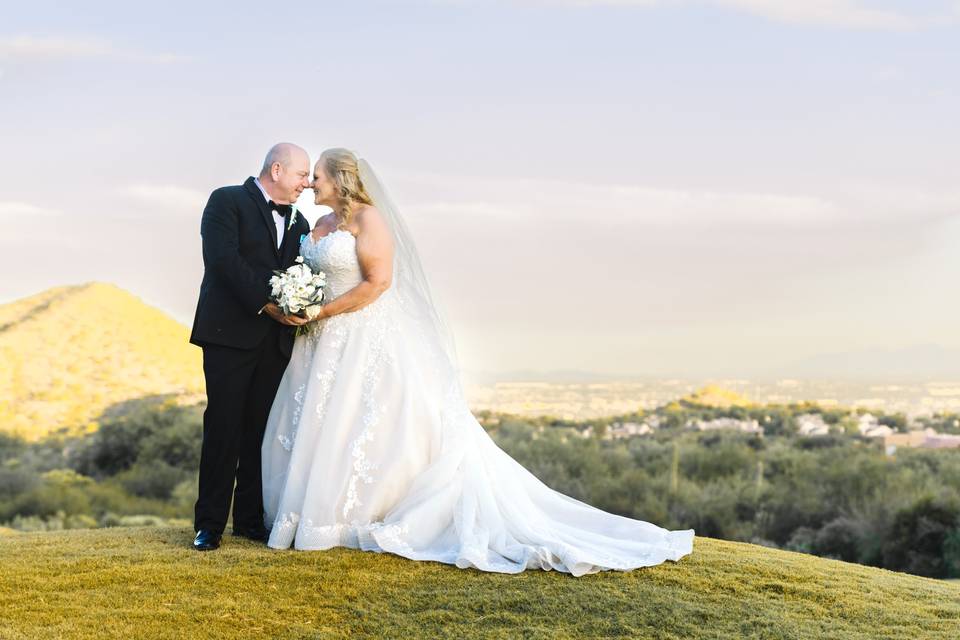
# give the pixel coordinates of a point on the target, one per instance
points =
(342, 166)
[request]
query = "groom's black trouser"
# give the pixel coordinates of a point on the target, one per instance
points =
(241, 385)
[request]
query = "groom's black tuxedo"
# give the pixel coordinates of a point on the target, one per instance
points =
(244, 352)
(239, 256)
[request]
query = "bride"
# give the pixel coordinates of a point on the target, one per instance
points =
(370, 443)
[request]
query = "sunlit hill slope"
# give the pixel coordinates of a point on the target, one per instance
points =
(70, 353)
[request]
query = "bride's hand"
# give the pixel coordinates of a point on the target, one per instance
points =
(277, 314)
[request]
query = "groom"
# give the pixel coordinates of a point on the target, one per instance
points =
(248, 232)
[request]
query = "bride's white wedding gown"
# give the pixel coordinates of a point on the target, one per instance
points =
(369, 446)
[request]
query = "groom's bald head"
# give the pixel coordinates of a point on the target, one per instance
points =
(284, 154)
(285, 173)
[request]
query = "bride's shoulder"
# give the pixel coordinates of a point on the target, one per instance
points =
(368, 215)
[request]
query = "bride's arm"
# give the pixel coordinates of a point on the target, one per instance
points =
(375, 254)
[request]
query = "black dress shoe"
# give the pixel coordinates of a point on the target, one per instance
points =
(257, 534)
(206, 540)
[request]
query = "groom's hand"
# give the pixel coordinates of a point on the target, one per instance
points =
(277, 314)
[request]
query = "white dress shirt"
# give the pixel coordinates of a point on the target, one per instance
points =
(277, 218)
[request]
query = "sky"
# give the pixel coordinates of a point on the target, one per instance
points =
(650, 187)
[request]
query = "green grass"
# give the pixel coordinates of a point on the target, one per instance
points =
(148, 583)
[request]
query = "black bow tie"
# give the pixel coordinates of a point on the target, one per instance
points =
(283, 209)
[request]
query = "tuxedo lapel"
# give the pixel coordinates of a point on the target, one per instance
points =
(291, 241)
(254, 191)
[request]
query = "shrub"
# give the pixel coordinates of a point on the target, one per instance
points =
(151, 480)
(920, 536)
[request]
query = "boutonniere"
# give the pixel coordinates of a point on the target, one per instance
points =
(293, 216)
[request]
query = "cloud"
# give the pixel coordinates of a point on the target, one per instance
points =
(30, 47)
(166, 197)
(24, 46)
(15, 209)
(848, 14)
(479, 209)
(525, 200)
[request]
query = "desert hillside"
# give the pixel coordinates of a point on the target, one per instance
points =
(70, 353)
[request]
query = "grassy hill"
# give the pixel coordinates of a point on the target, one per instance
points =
(69, 353)
(148, 583)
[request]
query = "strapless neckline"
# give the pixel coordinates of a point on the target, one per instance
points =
(310, 239)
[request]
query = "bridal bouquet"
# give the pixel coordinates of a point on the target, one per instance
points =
(298, 289)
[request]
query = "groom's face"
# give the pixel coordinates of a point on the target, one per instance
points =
(292, 179)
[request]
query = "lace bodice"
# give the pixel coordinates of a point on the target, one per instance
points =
(336, 255)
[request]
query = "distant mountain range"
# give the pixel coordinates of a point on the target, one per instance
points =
(918, 363)
(71, 353)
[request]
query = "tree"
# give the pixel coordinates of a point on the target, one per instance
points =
(921, 536)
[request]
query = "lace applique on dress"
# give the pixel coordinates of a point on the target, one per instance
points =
(373, 410)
